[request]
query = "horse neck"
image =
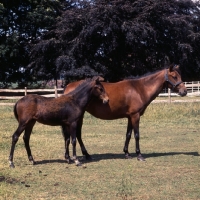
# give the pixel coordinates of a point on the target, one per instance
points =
(153, 84)
(83, 95)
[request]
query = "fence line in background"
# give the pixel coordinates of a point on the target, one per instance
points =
(26, 91)
(193, 89)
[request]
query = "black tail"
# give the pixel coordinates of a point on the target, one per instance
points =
(15, 111)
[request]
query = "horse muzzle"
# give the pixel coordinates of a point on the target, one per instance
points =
(182, 93)
(105, 100)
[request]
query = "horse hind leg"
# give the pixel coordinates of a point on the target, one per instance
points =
(66, 136)
(128, 137)
(26, 139)
(15, 138)
(80, 141)
(135, 123)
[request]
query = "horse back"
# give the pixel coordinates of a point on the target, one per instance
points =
(121, 101)
(27, 105)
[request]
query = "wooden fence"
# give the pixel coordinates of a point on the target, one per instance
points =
(19, 93)
(193, 89)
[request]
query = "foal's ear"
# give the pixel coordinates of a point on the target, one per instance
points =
(98, 78)
(101, 79)
(177, 67)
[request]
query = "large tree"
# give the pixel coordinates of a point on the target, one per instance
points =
(121, 38)
(21, 23)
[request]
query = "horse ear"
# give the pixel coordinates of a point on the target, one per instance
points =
(101, 79)
(98, 78)
(171, 68)
(177, 67)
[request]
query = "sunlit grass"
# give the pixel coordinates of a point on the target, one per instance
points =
(170, 139)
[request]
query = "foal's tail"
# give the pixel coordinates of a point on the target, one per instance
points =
(15, 111)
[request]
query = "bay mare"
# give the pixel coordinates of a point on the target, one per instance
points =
(63, 111)
(129, 99)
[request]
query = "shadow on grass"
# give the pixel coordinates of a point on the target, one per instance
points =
(98, 157)
(108, 156)
(42, 162)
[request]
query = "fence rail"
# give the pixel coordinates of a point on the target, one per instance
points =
(193, 89)
(11, 93)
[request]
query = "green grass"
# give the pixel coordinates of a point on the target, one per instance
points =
(170, 138)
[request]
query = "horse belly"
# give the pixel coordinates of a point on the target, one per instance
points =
(50, 116)
(105, 111)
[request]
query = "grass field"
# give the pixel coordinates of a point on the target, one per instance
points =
(170, 142)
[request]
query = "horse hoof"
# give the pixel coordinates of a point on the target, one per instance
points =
(140, 158)
(128, 156)
(77, 163)
(12, 165)
(33, 162)
(68, 160)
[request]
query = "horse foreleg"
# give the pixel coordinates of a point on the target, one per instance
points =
(26, 139)
(79, 138)
(66, 135)
(15, 138)
(135, 124)
(128, 137)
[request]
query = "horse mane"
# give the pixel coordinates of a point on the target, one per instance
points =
(150, 73)
(144, 75)
(80, 86)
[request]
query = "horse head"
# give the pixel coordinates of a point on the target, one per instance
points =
(99, 90)
(174, 81)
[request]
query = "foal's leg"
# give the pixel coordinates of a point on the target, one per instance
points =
(15, 138)
(78, 135)
(73, 128)
(128, 137)
(135, 123)
(66, 135)
(26, 139)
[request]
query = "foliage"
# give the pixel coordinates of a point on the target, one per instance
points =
(45, 39)
(121, 38)
(22, 22)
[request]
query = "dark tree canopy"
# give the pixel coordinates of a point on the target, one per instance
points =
(21, 23)
(45, 39)
(121, 38)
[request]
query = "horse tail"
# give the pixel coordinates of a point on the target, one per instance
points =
(15, 111)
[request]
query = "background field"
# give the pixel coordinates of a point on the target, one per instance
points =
(170, 142)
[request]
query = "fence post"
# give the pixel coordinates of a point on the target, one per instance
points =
(169, 95)
(56, 92)
(25, 92)
(192, 88)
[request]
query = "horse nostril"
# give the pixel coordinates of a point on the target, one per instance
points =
(183, 93)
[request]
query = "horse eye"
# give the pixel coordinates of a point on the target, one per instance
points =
(101, 89)
(175, 78)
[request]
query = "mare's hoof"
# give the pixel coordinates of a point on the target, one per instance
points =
(33, 162)
(128, 156)
(140, 158)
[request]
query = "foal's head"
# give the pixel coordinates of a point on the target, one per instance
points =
(99, 90)
(174, 80)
